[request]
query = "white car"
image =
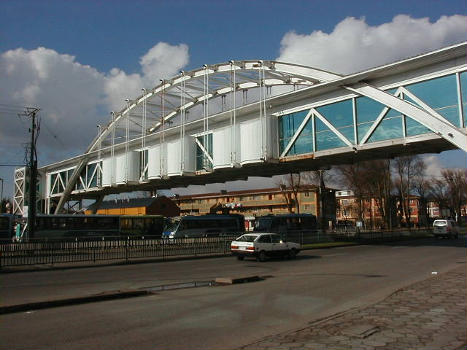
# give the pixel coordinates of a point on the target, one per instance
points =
(445, 228)
(263, 245)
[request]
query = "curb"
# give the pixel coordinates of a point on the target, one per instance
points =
(123, 294)
(72, 301)
(230, 280)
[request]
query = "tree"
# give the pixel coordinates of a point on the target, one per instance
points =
(439, 193)
(406, 169)
(378, 179)
(422, 188)
(456, 183)
(5, 205)
(353, 177)
(292, 183)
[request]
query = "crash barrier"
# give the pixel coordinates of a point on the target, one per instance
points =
(54, 252)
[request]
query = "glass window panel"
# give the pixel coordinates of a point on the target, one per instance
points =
(91, 179)
(53, 189)
(463, 78)
(325, 138)
(69, 175)
(288, 125)
(143, 161)
(340, 115)
(304, 143)
(368, 111)
(79, 184)
(440, 94)
(413, 127)
(202, 161)
(389, 128)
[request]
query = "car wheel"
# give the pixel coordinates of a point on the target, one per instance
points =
(240, 257)
(262, 256)
(293, 253)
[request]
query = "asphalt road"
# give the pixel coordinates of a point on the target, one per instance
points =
(317, 284)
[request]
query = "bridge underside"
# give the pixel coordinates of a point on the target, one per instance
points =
(285, 166)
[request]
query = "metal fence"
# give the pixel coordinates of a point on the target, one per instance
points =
(55, 252)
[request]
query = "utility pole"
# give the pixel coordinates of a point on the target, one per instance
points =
(32, 112)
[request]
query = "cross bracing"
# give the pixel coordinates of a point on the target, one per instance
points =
(233, 120)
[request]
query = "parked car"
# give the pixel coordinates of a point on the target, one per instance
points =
(445, 228)
(263, 245)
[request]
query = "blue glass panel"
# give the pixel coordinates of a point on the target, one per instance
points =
(413, 127)
(79, 184)
(53, 178)
(440, 94)
(69, 174)
(91, 182)
(304, 142)
(389, 128)
(288, 125)
(368, 111)
(463, 77)
(325, 138)
(340, 115)
(202, 161)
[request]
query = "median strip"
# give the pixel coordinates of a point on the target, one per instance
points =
(123, 294)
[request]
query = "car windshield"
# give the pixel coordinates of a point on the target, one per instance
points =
(246, 238)
(440, 223)
(171, 225)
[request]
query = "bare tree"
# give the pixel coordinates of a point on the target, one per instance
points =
(352, 175)
(5, 205)
(406, 168)
(378, 178)
(439, 192)
(422, 188)
(291, 182)
(456, 182)
(370, 180)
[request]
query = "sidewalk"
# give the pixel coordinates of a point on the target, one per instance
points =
(428, 315)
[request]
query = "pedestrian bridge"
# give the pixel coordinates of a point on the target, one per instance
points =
(228, 121)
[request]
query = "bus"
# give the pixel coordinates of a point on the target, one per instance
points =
(289, 226)
(210, 225)
(97, 226)
(7, 227)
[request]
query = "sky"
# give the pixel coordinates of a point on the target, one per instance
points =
(79, 60)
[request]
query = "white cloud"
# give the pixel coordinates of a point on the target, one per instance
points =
(433, 165)
(73, 97)
(354, 45)
(163, 61)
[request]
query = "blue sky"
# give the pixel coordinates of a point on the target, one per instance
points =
(107, 34)
(93, 52)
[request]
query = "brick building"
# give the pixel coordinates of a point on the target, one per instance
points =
(259, 202)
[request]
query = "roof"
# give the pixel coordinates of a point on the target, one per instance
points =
(127, 203)
(244, 192)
